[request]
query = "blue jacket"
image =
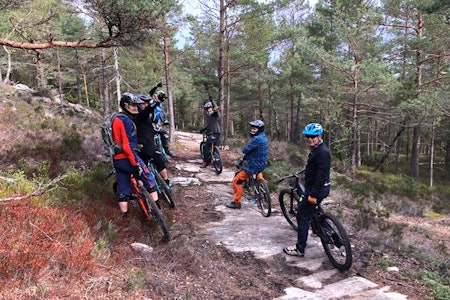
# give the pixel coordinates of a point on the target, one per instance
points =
(256, 153)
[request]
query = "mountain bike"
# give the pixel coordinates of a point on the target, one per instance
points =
(256, 190)
(325, 225)
(145, 202)
(216, 159)
(149, 207)
(163, 189)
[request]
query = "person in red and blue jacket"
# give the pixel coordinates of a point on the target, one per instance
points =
(127, 163)
(256, 154)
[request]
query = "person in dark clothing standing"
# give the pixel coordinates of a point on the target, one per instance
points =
(317, 185)
(256, 153)
(212, 130)
(146, 135)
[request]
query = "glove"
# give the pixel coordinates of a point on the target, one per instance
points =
(202, 130)
(137, 171)
(312, 200)
(159, 85)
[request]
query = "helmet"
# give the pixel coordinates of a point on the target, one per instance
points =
(144, 97)
(160, 96)
(313, 129)
(258, 124)
(207, 105)
(129, 98)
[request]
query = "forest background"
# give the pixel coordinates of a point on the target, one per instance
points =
(374, 73)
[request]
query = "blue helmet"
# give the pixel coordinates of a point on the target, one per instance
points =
(313, 129)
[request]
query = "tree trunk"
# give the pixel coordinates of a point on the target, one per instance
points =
(415, 152)
(8, 69)
(118, 77)
(169, 89)
(105, 85)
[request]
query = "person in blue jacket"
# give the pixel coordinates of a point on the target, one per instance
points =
(256, 154)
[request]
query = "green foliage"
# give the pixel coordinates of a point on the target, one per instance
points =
(440, 284)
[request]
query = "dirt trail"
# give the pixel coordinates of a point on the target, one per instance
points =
(246, 232)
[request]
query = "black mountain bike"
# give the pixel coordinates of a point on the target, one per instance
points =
(258, 191)
(216, 159)
(325, 225)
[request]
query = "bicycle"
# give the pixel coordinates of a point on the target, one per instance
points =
(159, 146)
(215, 155)
(258, 191)
(163, 189)
(325, 225)
(147, 205)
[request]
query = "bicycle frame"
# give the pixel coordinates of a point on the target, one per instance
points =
(159, 145)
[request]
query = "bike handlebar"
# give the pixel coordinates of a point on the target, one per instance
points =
(289, 176)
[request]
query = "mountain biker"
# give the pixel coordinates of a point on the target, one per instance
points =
(317, 185)
(159, 119)
(255, 155)
(146, 135)
(128, 163)
(212, 130)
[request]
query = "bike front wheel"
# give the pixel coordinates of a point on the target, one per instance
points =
(151, 209)
(289, 206)
(217, 160)
(164, 191)
(335, 242)
(264, 197)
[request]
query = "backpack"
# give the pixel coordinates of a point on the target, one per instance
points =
(110, 147)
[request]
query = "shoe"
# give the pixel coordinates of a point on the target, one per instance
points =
(204, 164)
(170, 153)
(234, 205)
(292, 250)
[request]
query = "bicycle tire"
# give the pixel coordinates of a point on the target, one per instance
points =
(217, 160)
(335, 242)
(289, 206)
(264, 201)
(155, 212)
(164, 191)
(202, 154)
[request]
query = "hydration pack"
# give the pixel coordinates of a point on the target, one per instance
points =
(110, 147)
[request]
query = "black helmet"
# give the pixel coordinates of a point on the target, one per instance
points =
(144, 97)
(258, 124)
(160, 96)
(129, 98)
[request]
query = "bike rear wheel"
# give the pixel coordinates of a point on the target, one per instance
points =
(335, 242)
(217, 160)
(289, 206)
(164, 191)
(202, 154)
(264, 197)
(151, 209)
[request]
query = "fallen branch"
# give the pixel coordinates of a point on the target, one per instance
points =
(41, 190)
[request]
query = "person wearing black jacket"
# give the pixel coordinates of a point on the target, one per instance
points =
(212, 130)
(317, 185)
(146, 135)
